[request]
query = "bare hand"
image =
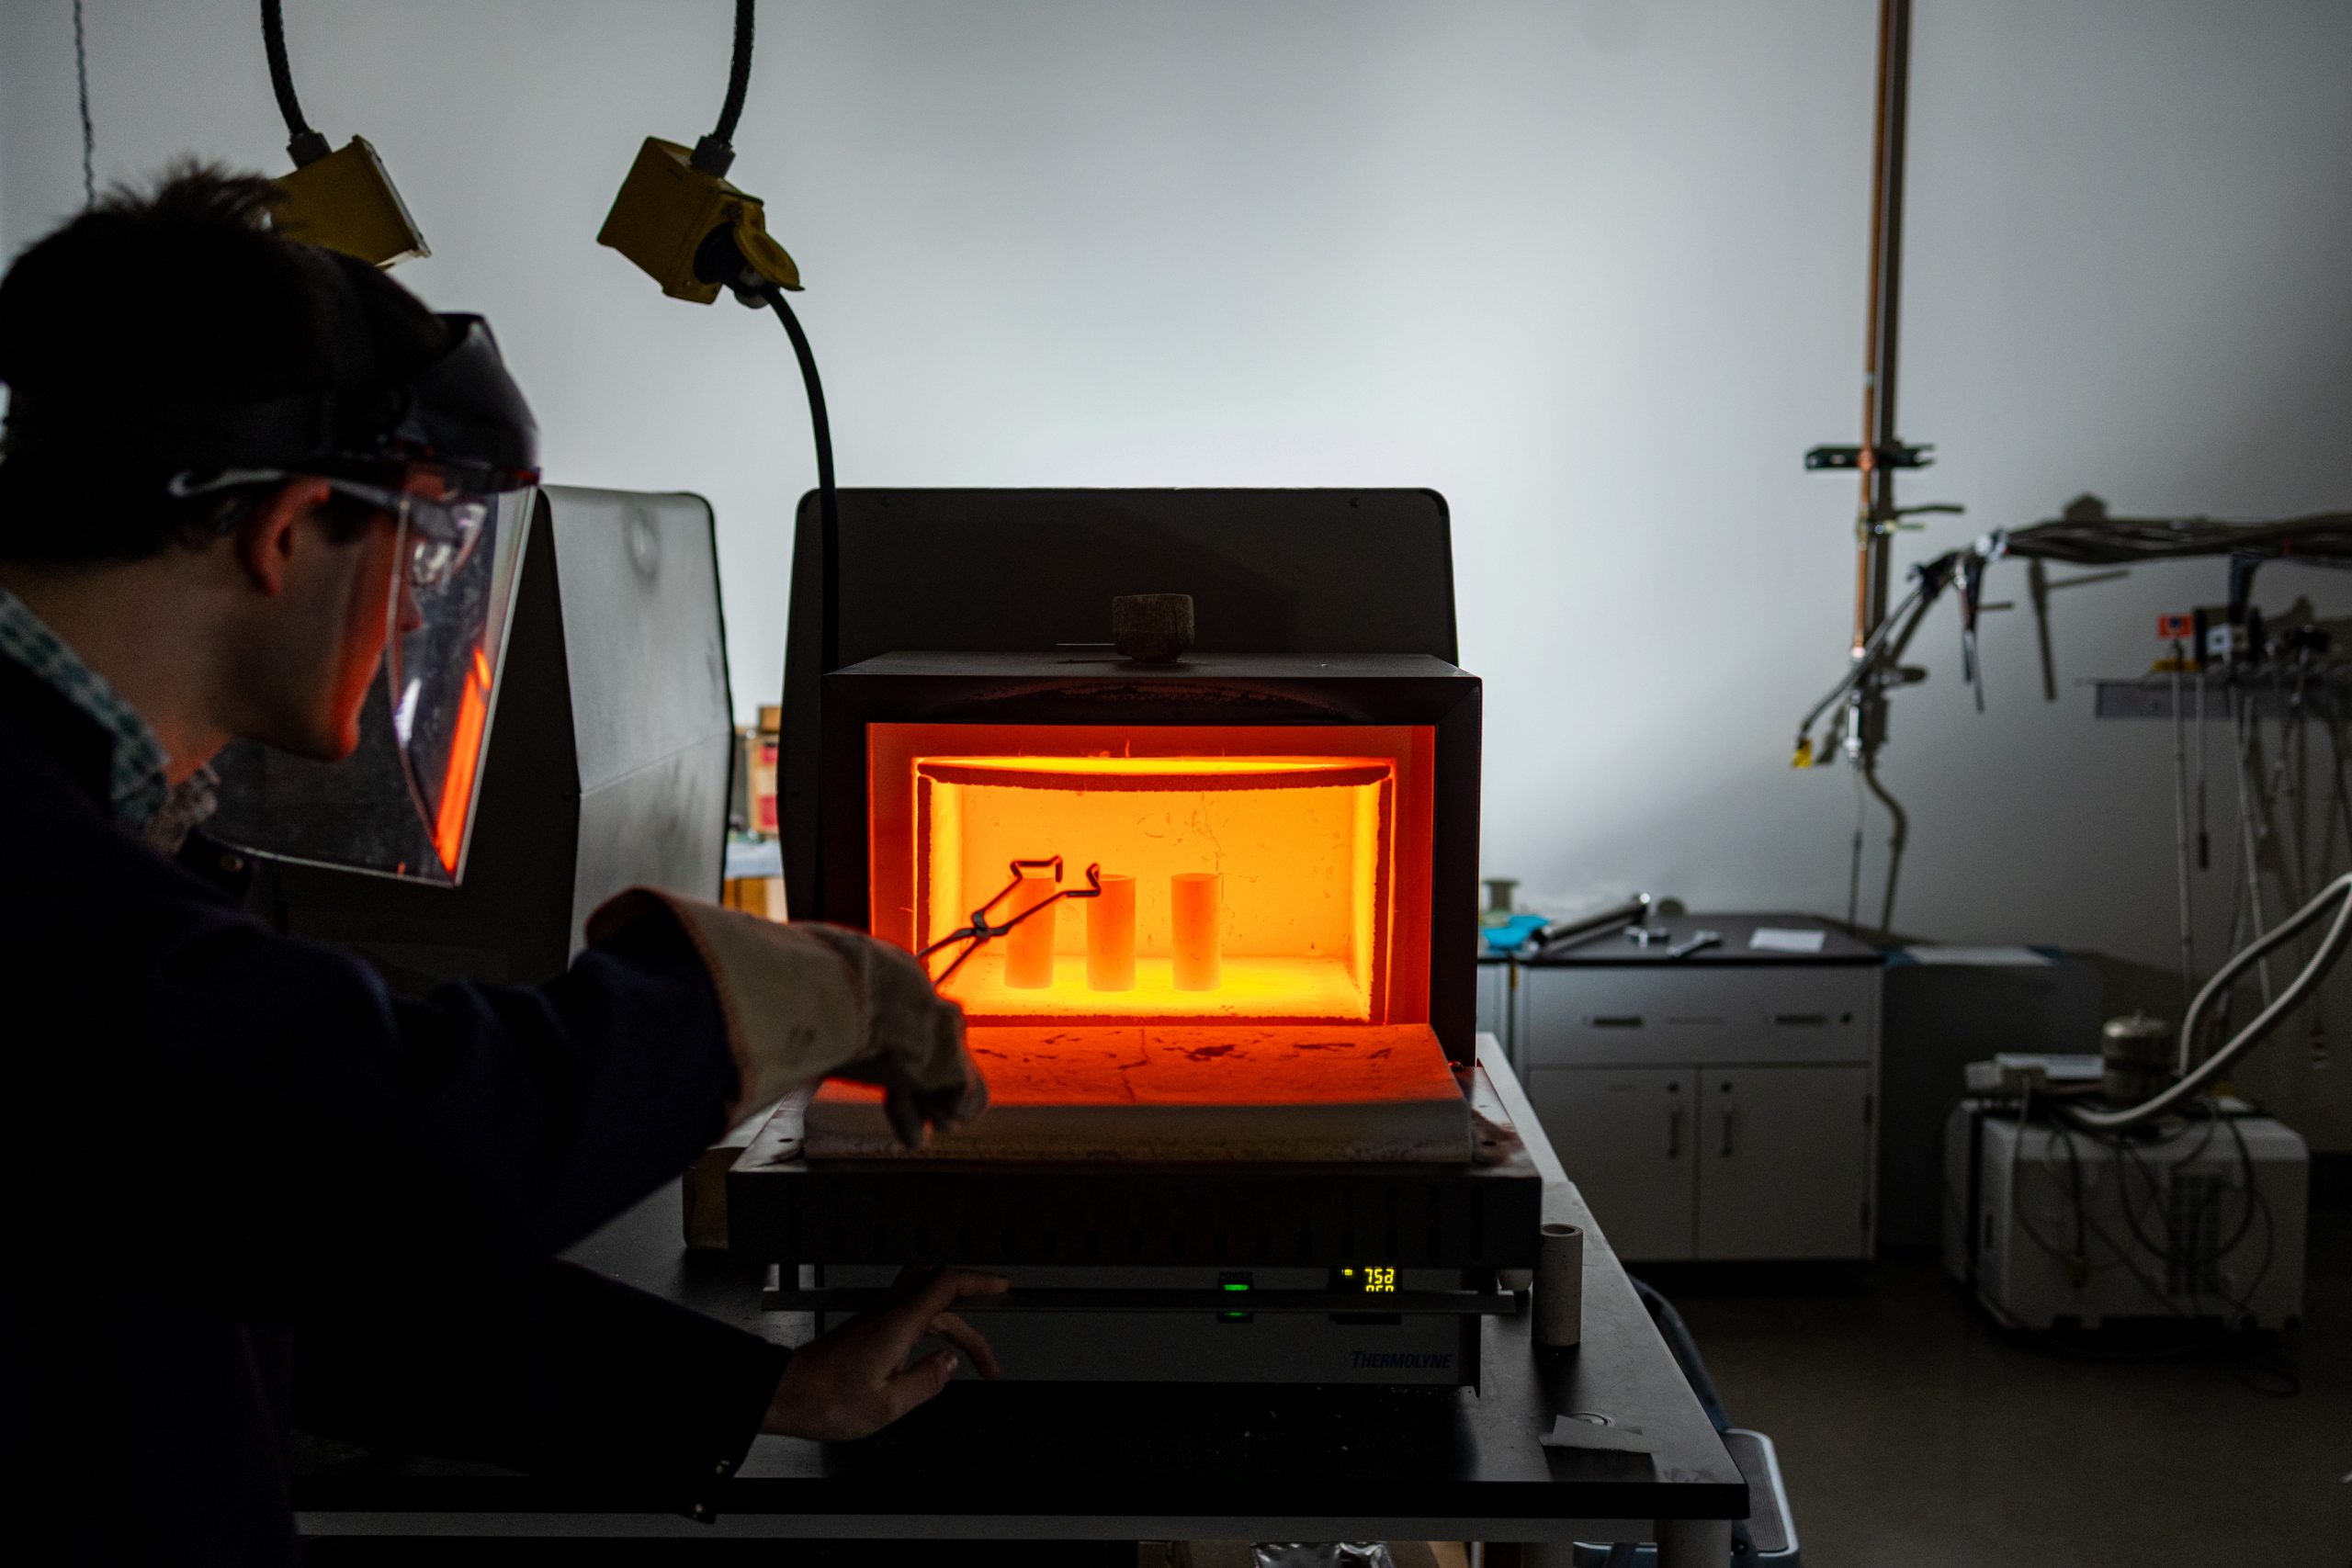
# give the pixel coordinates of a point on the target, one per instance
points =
(855, 1381)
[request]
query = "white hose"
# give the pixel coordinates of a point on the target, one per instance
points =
(2331, 948)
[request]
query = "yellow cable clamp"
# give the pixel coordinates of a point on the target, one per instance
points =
(345, 202)
(667, 208)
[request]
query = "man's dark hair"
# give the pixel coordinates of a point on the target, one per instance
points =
(182, 292)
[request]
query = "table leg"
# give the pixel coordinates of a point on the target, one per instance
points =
(1693, 1543)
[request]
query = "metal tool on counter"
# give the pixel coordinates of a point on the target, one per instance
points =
(1693, 943)
(1633, 913)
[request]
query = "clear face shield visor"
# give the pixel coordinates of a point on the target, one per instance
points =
(402, 804)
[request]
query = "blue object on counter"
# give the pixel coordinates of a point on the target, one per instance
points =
(1510, 936)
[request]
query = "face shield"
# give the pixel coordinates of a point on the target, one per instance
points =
(402, 804)
(452, 594)
(451, 455)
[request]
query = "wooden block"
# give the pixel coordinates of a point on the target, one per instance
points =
(1155, 628)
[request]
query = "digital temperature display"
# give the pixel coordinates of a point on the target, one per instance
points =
(1372, 1281)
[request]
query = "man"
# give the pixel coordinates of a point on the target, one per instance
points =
(241, 1186)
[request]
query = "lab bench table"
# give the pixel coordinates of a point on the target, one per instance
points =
(1013, 1461)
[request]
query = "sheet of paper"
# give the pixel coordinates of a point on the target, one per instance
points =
(1777, 939)
(1994, 957)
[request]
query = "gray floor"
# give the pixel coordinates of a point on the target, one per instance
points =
(1915, 1434)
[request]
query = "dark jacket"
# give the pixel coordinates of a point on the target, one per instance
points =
(239, 1183)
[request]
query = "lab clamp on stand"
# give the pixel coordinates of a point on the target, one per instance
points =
(1880, 636)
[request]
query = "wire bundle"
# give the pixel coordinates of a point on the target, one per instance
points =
(2322, 539)
(2185, 1239)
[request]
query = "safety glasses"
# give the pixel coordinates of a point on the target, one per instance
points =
(440, 524)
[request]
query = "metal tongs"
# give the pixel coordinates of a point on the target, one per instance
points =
(982, 930)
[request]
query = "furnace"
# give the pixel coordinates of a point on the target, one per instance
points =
(1209, 921)
(1215, 938)
(1198, 916)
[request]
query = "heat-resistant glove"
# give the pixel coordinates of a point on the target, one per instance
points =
(805, 1001)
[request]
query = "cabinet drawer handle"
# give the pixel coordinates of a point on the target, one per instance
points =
(1618, 1020)
(1674, 1134)
(1801, 1019)
(1729, 1111)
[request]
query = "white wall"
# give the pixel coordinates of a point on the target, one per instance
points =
(1592, 269)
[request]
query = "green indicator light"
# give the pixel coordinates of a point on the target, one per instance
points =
(1235, 1285)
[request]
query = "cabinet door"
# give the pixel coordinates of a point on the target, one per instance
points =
(1625, 1135)
(1785, 1162)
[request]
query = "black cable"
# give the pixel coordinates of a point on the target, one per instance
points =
(2079, 1257)
(89, 137)
(829, 508)
(827, 501)
(714, 153)
(2074, 1176)
(2171, 1253)
(2253, 1197)
(306, 145)
(738, 74)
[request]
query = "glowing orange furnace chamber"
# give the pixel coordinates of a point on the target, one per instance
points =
(1265, 874)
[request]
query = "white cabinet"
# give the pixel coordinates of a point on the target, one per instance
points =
(1785, 1162)
(1625, 1137)
(1711, 1110)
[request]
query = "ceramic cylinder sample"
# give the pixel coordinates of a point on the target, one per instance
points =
(1194, 941)
(1111, 936)
(1559, 1286)
(1029, 949)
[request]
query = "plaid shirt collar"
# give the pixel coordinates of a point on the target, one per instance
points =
(142, 797)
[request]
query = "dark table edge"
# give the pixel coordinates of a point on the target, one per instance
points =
(404, 1502)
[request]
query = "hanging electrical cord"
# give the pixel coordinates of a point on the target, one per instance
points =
(89, 136)
(303, 144)
(828, 506)
(2337, 895)
(714, 153)
(338, 200)
(678, 219)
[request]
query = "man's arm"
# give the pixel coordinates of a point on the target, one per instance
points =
(553, 1370)
(559, 1370)
(255, 1119)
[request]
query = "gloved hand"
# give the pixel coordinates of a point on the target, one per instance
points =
(805, 1001)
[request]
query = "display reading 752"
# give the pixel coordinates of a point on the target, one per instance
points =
(1373, 1282)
